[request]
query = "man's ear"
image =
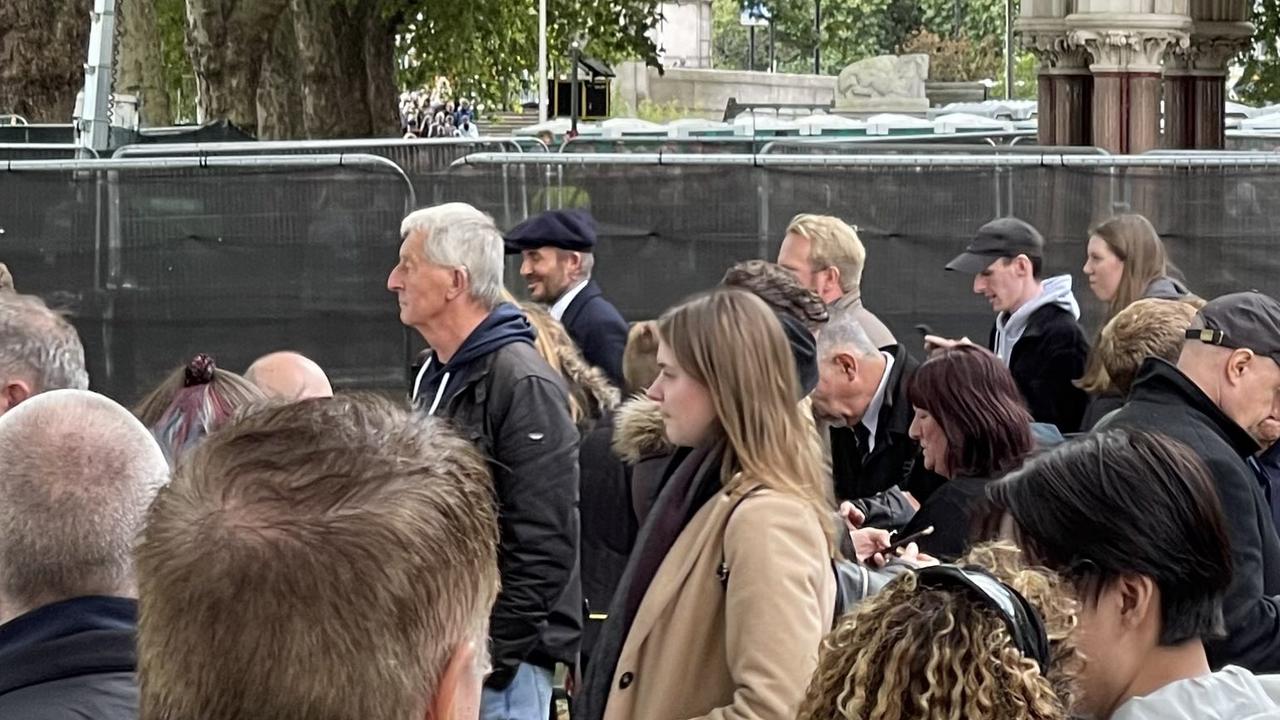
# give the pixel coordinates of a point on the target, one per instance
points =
(13, 392)
(459, 279)
(848, 364)
(457, 694)
(1237, 363)
(1138, 598)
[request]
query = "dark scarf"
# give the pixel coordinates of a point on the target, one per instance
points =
(693, 479)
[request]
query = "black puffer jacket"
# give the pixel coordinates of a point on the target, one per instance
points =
(1163, 400)
(71, 660)
(515, 408)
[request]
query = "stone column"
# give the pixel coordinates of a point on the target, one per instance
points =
(1195, 78)
(1065, 85)
(1127, 52)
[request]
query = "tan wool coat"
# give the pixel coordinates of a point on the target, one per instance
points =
(731, 625)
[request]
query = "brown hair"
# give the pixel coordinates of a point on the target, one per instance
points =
(976, 402)
(1145, 328)
(590, 394)
(640, 358)
(325, 558)
(730, 342)
(912, 653)
(779, 288)
(1135, 241)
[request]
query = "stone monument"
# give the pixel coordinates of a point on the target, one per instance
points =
(883, 84)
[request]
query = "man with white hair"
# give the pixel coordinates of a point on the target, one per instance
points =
(39, 351)
(862, 395)
(77, 473)
(485, 375)
(289, 376)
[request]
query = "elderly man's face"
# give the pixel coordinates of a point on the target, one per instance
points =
(422, 287)
(1254, 393)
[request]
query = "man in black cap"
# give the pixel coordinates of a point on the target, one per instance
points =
(1226, 381)
(556, 263)
(1037, 331)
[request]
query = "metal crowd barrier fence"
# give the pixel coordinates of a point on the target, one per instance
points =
(156, 259)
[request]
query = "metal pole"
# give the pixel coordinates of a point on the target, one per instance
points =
(817, 37)
(573, 93)
(542, 61)
(1008, 48)
(95, 119)
(772, 68)
(751, 48)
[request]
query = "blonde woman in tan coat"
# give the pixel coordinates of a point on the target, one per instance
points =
(730, 590)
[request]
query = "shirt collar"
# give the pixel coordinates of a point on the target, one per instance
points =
(560, 306)
(871, 418)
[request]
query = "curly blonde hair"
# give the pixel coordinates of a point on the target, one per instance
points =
(590, 394)
(940, 654)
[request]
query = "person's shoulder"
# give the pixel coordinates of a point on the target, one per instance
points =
(517, 361)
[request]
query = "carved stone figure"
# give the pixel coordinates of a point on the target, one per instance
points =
(887, 83)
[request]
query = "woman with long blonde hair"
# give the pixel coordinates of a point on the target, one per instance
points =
(730, 589)
(954, 643)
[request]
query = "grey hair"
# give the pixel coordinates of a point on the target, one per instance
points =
(39, 345)
(588, 261)
(843, 333)
(77, 474)
(457, 235)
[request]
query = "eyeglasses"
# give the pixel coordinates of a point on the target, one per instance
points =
(1023, 622)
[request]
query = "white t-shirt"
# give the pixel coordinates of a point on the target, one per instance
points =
(1230, 694)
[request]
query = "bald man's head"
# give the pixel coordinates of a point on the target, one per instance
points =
(77, 474)
(289, 376)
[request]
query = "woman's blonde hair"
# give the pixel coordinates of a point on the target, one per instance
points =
(590, 394)
(731, 342)
(640, 357)
(912, 653)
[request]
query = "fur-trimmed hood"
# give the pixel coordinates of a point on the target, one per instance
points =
(638, 431)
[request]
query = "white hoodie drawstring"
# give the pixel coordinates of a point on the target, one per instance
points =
(439, 391)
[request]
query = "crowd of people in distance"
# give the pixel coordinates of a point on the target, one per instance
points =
(761, 505)
(437, 114)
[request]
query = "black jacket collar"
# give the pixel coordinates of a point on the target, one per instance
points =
(82, 636)
(1160, 382)
(589, 292)
(895, 411)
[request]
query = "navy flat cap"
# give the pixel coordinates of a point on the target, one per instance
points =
(563, 229)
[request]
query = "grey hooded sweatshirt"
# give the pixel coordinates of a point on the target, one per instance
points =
(1010, 326)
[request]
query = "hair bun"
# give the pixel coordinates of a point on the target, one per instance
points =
(199, 371)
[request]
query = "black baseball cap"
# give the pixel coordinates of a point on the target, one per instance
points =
(1001, 238)
(1244, 320)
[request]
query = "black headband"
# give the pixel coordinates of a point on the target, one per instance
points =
(1024, 623)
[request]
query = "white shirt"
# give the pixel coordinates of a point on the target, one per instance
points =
(1232, 693)
(871, 418)
(557, 309)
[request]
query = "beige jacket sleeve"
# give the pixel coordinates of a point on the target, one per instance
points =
(780, 598)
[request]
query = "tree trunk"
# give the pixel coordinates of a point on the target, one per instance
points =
(382, 91)
(228, 41)
(43, 46)
(346, 56)
(279, 88)
(141, 69)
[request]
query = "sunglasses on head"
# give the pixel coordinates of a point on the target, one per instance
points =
(1023, 622)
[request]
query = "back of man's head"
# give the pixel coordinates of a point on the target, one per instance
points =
(843, 333)
(77, 473)
(39, 351)
(289, 376)
(328, 558)
(1126, 503)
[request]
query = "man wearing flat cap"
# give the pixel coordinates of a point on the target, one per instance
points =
(1037, 331)
(556, 260)
(1226, 381)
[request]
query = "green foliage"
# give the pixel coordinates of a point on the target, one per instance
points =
(489, 48)
(179, 75)
(1260, 83)
(857, 29)
(653, 112)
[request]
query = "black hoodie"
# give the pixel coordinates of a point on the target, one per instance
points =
(505, 325)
